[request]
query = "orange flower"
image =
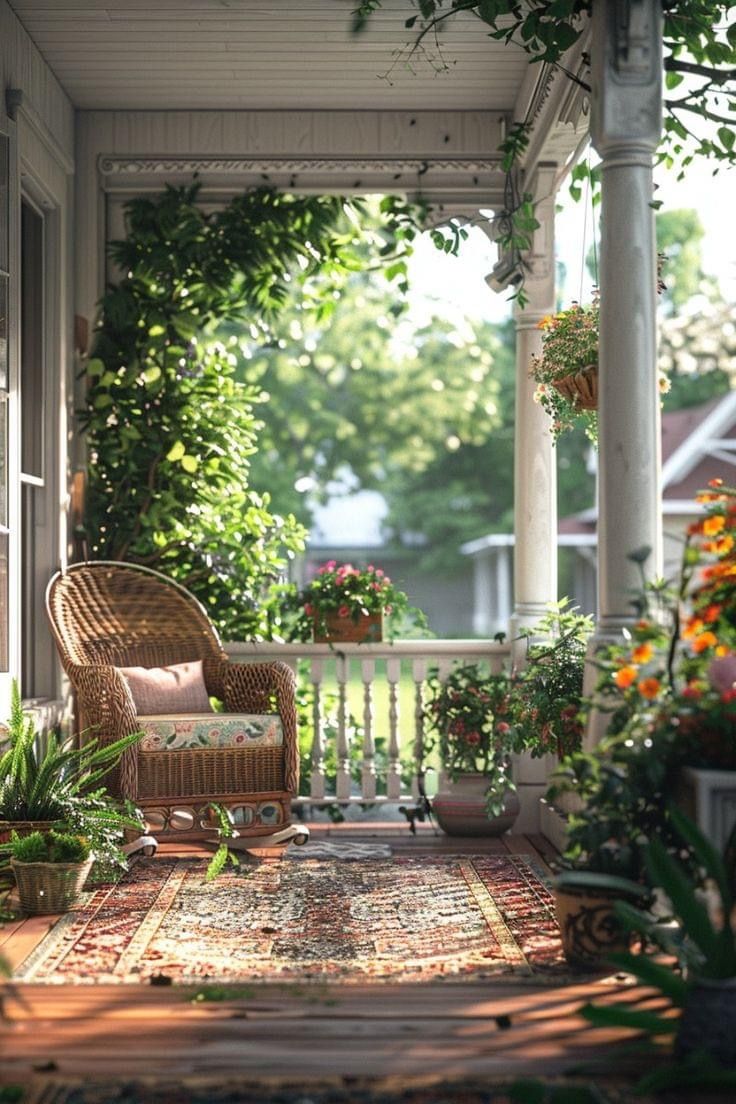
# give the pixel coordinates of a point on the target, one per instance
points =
(721, 650)
(704, 640)
(724, 544)
(712, 612)
(692, 627)
(649, 688)
(643, 653)
(715, 482)
(624, 677)
(713, 524)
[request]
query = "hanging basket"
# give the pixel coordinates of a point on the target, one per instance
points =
(45, 888)
(581, 388)
(331, 628)
(24, 827)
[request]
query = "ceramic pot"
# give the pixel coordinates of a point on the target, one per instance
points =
(330, 628)
(709, 1021)
(460, 808)
(589, 928)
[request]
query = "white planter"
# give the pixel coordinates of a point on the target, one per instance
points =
(709, 798)
(553, 824)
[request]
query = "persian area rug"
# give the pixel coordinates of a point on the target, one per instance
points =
(478, 1091)
(404, 919)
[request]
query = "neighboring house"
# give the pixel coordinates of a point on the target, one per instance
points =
(698, 444)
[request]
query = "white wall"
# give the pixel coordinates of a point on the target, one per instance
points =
(40, 126)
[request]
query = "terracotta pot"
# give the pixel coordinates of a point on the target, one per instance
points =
(580, 388)
(460, 808)
(589, 928)
(709, 1021)
(330, 628)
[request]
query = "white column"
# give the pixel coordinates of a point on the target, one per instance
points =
(626, 126)
(535, 473)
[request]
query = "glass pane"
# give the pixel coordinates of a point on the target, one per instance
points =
(3, 460)
(4, 201)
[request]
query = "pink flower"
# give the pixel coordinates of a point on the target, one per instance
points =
(308, 609)
(503, 727)
(343, 611)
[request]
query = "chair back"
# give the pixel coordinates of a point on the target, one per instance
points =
(103, 612)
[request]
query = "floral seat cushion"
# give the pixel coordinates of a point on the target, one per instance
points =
(210, 730)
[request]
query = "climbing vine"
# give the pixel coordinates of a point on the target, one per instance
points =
(700, 79)
(169, 428)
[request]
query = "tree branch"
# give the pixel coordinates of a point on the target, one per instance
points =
(715, 76)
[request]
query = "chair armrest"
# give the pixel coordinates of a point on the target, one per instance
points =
(106, 708)
(259, 688)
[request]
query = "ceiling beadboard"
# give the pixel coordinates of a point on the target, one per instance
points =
(247, 54)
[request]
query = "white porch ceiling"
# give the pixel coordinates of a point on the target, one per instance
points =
(256, 55)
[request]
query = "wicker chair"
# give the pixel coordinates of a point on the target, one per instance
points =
(105, 616)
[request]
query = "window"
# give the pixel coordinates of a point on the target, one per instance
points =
(33, 486)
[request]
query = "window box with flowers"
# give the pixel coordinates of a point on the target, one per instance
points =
(467, 717)
(344, 604)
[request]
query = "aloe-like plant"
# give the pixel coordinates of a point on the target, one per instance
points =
(703, 942)
(62, 783)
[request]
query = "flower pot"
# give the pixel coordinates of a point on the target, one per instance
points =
(709, 1021)
(460, 808)
(580, 388)
(589, 929)
(331, 628)
(45, 887)
(23, 827)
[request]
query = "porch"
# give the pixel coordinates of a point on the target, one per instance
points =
(399, 1035)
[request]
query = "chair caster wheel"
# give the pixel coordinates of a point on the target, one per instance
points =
(301, 837)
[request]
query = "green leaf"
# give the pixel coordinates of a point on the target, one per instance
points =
(95, 367)
(150, 375)
(726, 137)
(176, 451)
(653, 973)
(616, 1016)
(189, 463)
(156, 330)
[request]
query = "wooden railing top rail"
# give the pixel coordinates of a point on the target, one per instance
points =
(397, 649)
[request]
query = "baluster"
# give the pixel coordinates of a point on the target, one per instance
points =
(343, 783)
(368, 769)
(317, 781)
(393, 780)
(419, 674)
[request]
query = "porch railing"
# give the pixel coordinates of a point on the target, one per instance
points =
(370, 680)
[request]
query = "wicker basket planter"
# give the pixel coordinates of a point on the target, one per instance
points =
(331, 628)
(46, 887)
(580, 389)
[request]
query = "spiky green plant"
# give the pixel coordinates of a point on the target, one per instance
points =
(61, 782)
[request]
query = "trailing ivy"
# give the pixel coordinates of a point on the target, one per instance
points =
(169, 428)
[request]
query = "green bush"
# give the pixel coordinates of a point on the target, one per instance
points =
(51, 846)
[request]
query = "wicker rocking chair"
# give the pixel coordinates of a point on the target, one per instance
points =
(110, 616)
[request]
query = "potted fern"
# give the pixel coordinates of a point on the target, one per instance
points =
(45, 783)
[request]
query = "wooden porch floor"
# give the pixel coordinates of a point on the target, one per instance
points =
(410, 1032)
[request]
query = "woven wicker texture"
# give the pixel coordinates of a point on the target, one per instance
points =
(45, 888)
(109, 615)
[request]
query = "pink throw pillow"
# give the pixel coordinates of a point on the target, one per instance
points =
(161, 690)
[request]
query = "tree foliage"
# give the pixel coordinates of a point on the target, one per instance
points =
(699, 46)
(169, 428)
